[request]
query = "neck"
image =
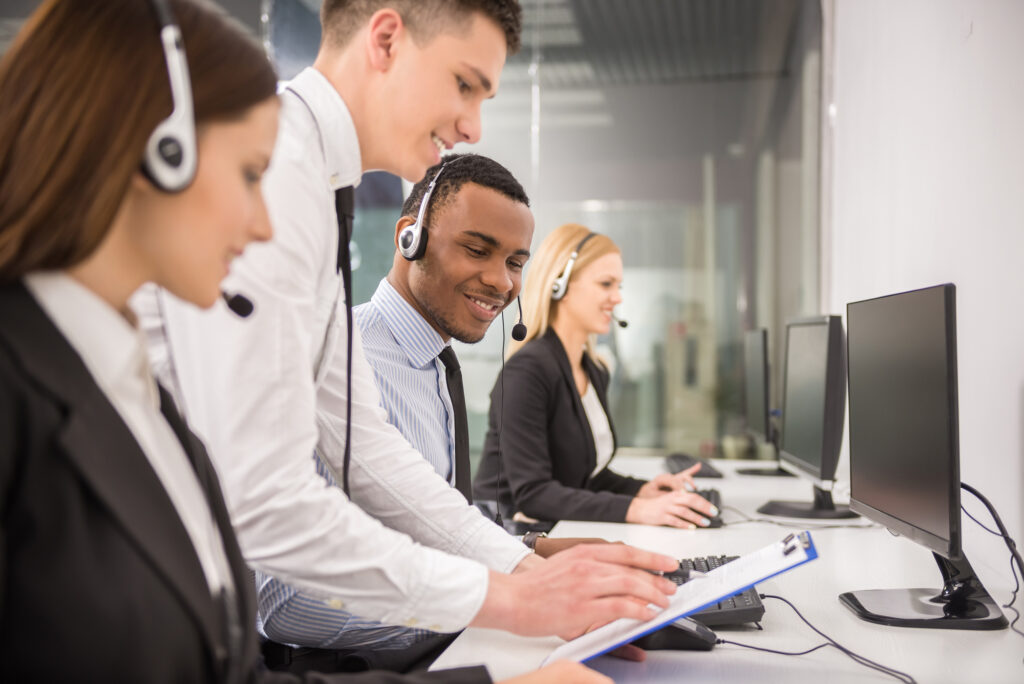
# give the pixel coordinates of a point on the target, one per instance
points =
(401, 285)
(343, 69)
(112, 270)
(573, 339)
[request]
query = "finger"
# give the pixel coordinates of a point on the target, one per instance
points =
(623, 554)
(602, 611)
(629, 652)
(690, 515)
(642, 589)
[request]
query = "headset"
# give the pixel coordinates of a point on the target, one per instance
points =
(171, 156)
(561, 284)
(412, 241)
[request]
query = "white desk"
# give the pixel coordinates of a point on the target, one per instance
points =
(849, 560)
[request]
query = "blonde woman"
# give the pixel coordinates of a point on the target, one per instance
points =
(556, 434)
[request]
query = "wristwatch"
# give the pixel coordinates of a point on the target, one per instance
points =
(530, 539)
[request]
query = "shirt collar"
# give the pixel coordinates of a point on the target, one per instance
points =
(414, 335)
(337, 130)
(112, 348)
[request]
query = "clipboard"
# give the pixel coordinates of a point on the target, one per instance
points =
(695, 595)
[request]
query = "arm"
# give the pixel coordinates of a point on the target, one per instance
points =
(248, 389)
(530, 395)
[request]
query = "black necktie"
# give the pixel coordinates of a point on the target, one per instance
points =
(344, 205)
(453, 374)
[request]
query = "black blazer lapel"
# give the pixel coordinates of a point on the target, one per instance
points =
(559, 353)
(100, 446)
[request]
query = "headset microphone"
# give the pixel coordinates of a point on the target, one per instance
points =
(519, 329)
(621, 323)
(240, 305)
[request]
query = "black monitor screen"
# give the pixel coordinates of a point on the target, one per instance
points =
(803, 411)
(904, 461)
(755, 353)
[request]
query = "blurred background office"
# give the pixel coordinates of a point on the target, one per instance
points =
(757, 160)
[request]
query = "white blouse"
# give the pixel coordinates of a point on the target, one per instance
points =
(599, 425)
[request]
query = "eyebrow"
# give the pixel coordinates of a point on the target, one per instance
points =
(484, 81)
(493, 242)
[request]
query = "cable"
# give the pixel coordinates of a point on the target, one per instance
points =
(829, 641)
(792, 525)
(501, 419)
(1015, 559)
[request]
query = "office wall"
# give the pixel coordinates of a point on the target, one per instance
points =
(928, 164)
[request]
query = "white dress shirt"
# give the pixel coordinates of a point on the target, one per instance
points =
(263, 392)
(115, 355)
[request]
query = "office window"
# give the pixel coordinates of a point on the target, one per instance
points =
(687, 130)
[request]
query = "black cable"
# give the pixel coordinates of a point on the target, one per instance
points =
(855, 657)
(501, 419)
(1015, 559)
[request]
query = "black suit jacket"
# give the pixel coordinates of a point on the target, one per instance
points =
(547, 445)
(98, 577)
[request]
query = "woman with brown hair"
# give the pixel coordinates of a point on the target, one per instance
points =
(117, 557)
(550, 439)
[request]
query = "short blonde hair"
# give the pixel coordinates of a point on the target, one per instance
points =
(545, 267)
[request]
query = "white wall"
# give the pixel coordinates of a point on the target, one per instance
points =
(928, 187)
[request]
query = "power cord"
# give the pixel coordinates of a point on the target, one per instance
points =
(829, 641)
(792, 525)
(1015, 559)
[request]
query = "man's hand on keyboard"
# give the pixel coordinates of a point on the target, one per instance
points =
(675, 509)
(569, 593)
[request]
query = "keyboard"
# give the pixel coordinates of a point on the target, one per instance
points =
(714, 497)
(735, 610)
(679, 462)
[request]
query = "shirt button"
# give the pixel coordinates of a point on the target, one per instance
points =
(335, 603)
(334, 179)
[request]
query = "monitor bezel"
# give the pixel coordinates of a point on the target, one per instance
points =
(951, 548)
(834, 409)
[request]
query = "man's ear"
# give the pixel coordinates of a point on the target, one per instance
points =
(386, 28)
(402, 224)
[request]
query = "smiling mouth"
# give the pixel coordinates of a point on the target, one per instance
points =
(490, 307)
(441, 144)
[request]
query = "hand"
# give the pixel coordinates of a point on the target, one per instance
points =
(548, 546)
(675, 509)
(560, 672)
(670, 483)
(587, 585)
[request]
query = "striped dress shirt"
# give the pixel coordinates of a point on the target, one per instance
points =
(402, 350)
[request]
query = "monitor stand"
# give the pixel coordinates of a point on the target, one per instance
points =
(765, 472)
(821, 508)
(963, 602)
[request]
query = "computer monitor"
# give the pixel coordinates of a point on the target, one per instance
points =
(757, 398)
(904, 453)
(813, 402)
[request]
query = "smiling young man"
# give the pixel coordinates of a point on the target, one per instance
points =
(395, 81)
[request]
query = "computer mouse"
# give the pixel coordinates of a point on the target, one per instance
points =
(685, 634)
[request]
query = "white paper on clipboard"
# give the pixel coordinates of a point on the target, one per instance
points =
(695, 595)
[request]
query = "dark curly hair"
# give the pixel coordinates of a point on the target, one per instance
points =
(460, 169)
(342, 18)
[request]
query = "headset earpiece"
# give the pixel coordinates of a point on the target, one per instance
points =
(561, 284)
(171, 157)
(412, 241)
